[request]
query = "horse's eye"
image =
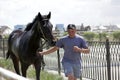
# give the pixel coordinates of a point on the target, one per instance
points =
(43, 22)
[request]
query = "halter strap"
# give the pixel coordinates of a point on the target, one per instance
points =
(42, 32)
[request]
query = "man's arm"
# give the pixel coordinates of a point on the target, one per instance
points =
(81, 50)
(52, 49)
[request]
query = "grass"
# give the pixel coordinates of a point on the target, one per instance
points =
(7, 64)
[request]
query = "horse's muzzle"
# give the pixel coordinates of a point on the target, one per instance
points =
(53, 43)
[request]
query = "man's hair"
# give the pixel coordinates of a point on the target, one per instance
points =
(71, 26)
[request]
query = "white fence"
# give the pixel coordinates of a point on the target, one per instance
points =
(8, 75)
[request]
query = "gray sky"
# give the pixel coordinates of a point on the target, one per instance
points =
(88, 12)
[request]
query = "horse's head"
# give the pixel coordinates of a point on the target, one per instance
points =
(44, 27)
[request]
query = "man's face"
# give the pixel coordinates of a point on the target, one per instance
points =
(71, 32)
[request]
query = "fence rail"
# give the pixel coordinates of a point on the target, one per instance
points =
(8, 75)
(103, 62)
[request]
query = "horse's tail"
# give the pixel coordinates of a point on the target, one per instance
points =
(7, 55)
(9, 41)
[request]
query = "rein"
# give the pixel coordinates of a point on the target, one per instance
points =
(41, 45)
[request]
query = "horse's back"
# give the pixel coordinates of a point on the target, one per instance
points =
(16, 33)
(13, 38)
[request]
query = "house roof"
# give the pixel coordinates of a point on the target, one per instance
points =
(3, 29)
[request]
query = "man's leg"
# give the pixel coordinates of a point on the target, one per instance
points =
(68, 70)
(71, 77)
(77, 71)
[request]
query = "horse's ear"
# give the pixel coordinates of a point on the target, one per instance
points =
(49, 15)
(39, 15)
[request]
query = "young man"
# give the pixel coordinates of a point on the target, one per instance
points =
(73, 46)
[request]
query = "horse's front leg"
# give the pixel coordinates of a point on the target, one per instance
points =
(24, 68)
(38, 69)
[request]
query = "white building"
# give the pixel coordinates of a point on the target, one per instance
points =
(59, 28)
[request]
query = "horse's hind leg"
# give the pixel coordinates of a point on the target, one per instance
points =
(15, 63)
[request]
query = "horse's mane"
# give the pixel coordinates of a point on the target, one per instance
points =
(29, 25)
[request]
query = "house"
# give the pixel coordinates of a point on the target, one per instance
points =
(106, 28)
(20, 27)
(4, 30)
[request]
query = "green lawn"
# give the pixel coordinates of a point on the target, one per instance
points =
(7, 64)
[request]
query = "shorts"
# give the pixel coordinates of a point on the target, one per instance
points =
(70, 68)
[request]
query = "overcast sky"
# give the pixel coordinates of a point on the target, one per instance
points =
(88, 12)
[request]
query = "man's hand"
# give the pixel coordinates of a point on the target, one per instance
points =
(41, 53)
(76, 49)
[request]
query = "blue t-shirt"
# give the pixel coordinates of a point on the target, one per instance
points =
(67, 44)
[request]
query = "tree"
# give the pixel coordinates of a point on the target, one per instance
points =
(116, 35)
(87, 28)
(102, 36)
(89, 35)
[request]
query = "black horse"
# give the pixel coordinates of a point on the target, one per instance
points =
(23, 45)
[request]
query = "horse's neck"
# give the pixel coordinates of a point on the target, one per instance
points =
(33, 36)
(33, 41)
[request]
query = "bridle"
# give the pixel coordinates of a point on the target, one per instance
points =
(41, 28)
(42, 32)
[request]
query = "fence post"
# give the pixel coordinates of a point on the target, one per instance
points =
(108, 59)
(3, 47)
(59, 67)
